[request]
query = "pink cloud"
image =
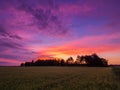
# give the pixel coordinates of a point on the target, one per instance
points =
(93, 41)
(9, 62)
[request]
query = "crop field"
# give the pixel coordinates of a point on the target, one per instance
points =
(59, 78)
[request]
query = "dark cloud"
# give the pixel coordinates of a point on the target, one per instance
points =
(15, 36)
(6, 56)
(44, 18)
(14, 50)
(8, 47)
(4, 63)
(9, 44)
(5, 33)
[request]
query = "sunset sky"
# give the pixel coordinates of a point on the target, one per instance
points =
(32, 29)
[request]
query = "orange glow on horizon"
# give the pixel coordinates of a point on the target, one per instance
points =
(65, 52)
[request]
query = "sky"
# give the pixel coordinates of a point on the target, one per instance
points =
(32, 29)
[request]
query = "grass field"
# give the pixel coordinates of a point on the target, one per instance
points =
(59, 78)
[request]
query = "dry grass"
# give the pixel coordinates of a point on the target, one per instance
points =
(57, 78)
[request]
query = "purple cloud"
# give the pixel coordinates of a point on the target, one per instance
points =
(5, 33)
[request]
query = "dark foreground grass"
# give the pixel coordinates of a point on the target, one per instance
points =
(58, 78)
(116, 71)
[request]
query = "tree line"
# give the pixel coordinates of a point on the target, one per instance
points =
(86, 60)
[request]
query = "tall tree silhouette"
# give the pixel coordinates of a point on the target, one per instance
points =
(77, 61)
(70, 60)
(94, 60)
(62, 62)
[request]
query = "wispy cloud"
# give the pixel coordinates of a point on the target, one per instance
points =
(5, 33)
(9, 62)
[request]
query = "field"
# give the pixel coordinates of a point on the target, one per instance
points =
(59, 78)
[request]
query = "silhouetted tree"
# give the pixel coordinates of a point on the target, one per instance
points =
(77, 61)
(27, 63)
(94, 60)
(22, 64)
(69, 61)
(62, 62)
(89, 60)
